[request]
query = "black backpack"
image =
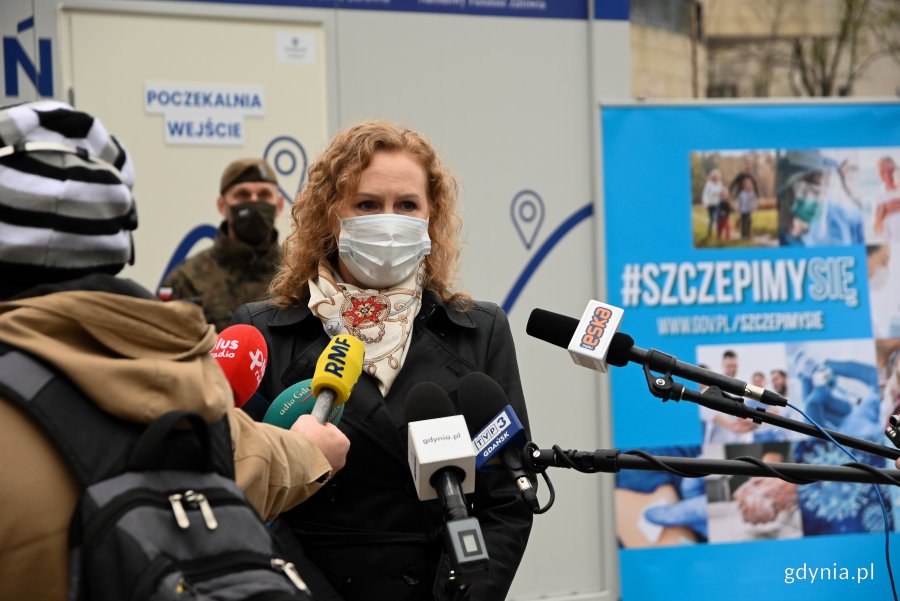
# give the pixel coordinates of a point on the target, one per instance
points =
(159, 516)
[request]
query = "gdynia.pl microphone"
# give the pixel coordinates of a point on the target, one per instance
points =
(500, 441)
(242, 354)
(442, 462)
(595, 342)
(337, 371)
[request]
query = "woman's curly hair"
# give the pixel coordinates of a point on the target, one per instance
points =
(334, 178)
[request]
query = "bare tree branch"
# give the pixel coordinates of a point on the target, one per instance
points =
(855, 27)
(814, 65)
(802, 68)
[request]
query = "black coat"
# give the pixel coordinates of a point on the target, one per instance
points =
(366, 530)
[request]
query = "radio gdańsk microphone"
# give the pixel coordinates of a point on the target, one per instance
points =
(242, 354)
(595, 342)
(294, 401)
(337, 371)
(500, 441)
(442, 462)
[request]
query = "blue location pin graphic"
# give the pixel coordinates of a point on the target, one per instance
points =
(527, 212)
(288, 158)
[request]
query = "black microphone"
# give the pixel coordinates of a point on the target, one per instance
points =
(438, 462)
(442, 461)
(598, 349)
(501, 437)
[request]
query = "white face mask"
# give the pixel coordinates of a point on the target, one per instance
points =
(383, 250)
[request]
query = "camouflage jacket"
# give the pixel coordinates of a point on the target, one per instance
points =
(224, 277)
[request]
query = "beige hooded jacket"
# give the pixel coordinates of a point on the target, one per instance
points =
(137, 359)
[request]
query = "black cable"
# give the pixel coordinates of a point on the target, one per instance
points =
(774, 473)
(866, 468)
(567, 461)
(662, 465)
(549, 504)
(875, 471)
(538, 469)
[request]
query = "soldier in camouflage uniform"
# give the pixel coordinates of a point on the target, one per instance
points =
(246, 252)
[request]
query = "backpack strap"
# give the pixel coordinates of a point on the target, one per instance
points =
(151, 449)
(96, 444)
(92, 440)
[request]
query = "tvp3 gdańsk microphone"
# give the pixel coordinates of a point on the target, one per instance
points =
(500, 441)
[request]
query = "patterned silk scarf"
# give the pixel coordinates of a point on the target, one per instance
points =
(381, 319)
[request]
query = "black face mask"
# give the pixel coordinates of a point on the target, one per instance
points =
(252, 222)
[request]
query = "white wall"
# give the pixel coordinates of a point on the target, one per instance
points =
(177, 181)
(511, 104)
(507, 101)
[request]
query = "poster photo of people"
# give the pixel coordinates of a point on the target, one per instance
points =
(849, 386)
(779, 268)
(660, 509)
(795, 197)
(733, 200)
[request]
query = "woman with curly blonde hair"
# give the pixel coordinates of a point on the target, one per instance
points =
(334, 177)
(373, 254)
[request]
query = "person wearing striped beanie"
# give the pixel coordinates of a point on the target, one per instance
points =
(66, 208)
(66, 217)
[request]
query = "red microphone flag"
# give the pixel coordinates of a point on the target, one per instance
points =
(242, 354)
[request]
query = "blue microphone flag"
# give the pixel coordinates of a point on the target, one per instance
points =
(504, 429)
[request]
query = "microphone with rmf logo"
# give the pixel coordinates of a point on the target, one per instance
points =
(337, 371)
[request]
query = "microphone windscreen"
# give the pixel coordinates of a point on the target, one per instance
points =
(339, 366)
(551, 327)
(427, 400)
(295, 401)
(480, 399)
(619, 349)
(242, 354)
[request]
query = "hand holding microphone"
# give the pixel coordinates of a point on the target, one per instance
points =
(242, 354)
(294, 401)
(292, 410)
(313, 407)
(333, 443)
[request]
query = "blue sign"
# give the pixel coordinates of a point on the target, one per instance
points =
(548, 9)
(39, 71)
(763, 242)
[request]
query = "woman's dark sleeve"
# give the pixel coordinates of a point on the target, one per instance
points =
(288, 543)
(504, 517)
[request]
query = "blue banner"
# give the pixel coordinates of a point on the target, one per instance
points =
(612, 10)
(763, 242)
(547, 9)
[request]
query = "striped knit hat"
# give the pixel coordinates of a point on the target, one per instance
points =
(66, 207)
